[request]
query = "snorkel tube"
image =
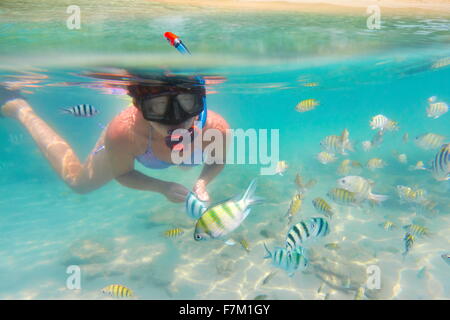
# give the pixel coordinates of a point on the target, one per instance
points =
(174, 142)
(203, 115)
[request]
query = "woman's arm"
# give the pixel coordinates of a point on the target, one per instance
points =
(136, 180)
(120, 149)
(210, 171)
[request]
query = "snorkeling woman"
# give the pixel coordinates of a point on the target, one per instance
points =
(142, 132)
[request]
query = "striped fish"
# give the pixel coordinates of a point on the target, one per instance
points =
(306, 230)
(81, 110)
(175, 232)
(429, 141)
(194, 207)
(323, 207)
(342, 196)
(435, 110)
(117, 291)
(375, 163)
(337, 144)
(325, 157)
(294, 207)
(222, 218)
(407, 194)
(288, 261)
(381, 122)
(416, 230)
(307, 105)
(443, 62)
(362, 187)
(333, 144)
(387, 225)
(408, 241)
(440, 166)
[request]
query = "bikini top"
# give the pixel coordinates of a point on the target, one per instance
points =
(149, 160)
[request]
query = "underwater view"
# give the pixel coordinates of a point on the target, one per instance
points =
(329, 145)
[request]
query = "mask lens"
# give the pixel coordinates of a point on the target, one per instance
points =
(188, 102)
(156, 106)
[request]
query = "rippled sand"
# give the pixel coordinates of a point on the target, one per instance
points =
(121, 241)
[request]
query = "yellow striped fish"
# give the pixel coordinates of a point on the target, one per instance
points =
(117, 291)
(375, 163)
(417, 230)
(337, 144)
(429, 141)
(437, 109)
(221, 219)
(325, 157)
(294, 207)
(307, 105)
(342, 196)
(175, 232)
(388, 225)
(407, 194)
(441, 63)
(323, 207)
(381, 122)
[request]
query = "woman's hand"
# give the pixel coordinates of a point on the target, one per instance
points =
(175, 192)
(200, 190)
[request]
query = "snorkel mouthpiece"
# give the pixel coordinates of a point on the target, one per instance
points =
(176, 141)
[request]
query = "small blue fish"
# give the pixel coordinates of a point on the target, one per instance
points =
(194, 207)
(408, 241)
(81, 110)
(446, 257)
(288, 261)
(305, 230)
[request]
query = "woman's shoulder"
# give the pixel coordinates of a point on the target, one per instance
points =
(216, 121)
(123, 127)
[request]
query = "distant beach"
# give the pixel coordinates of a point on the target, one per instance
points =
(425, 7)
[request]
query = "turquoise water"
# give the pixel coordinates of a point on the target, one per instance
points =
(115, 234)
